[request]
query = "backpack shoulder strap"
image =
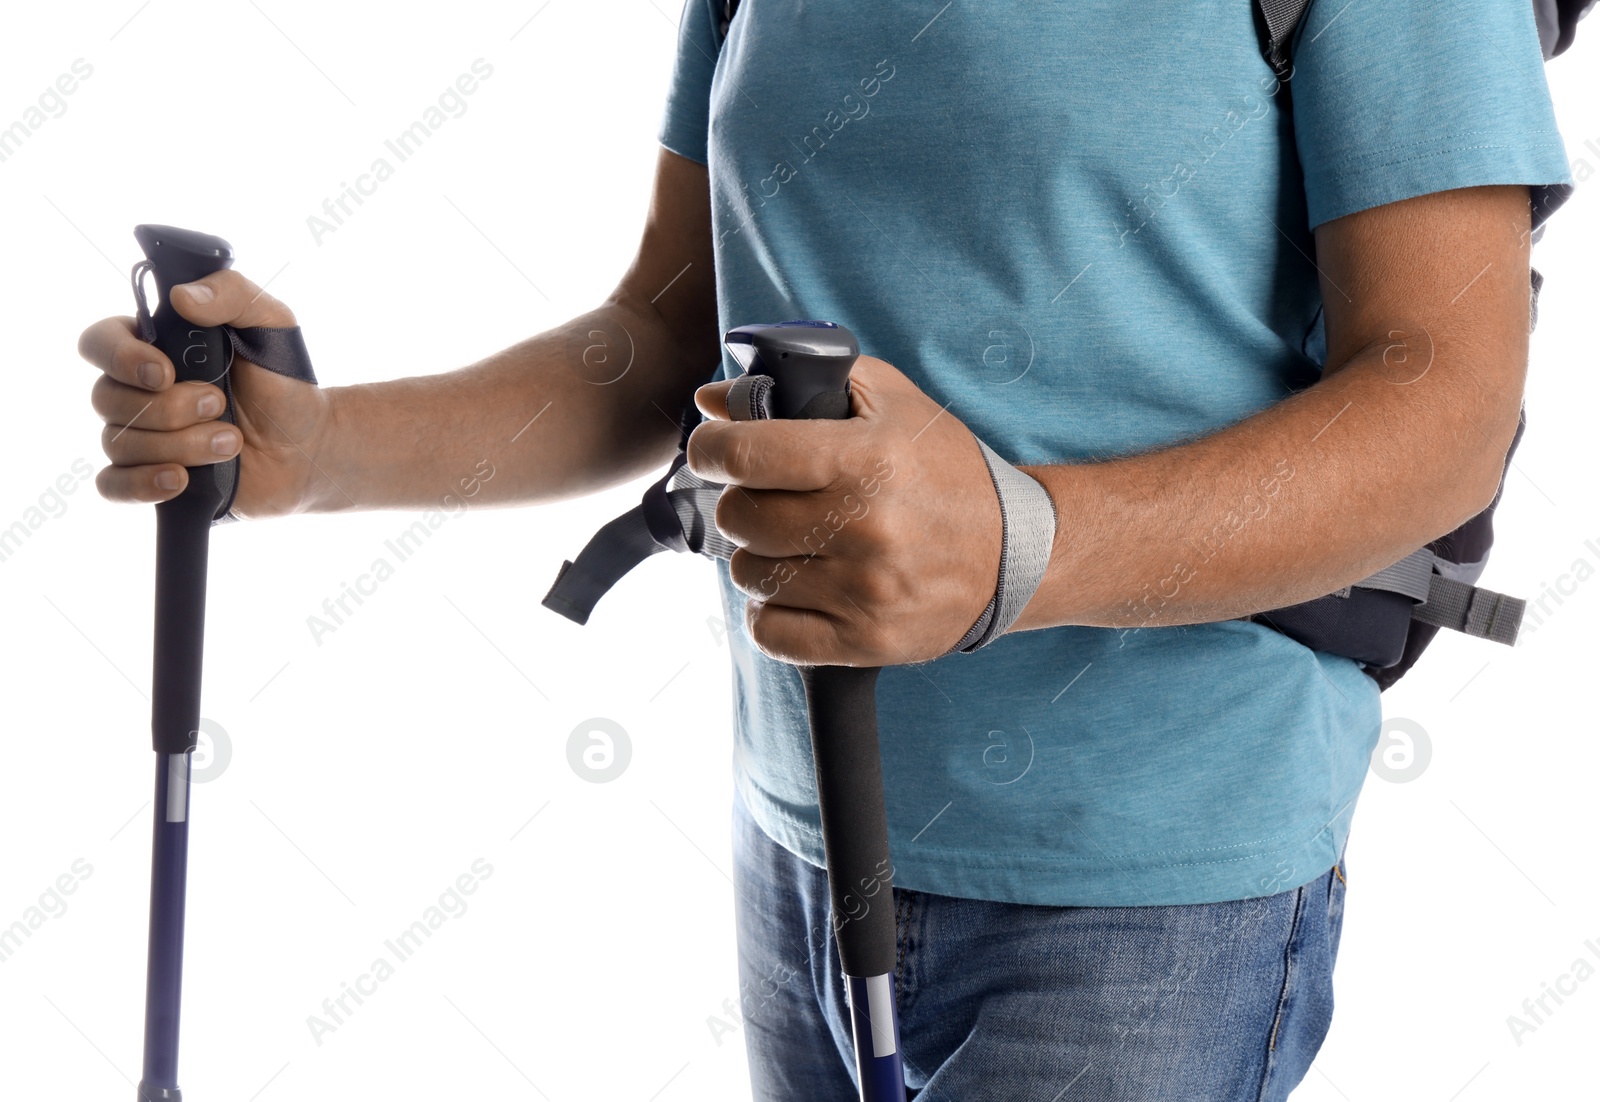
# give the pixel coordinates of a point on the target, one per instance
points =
(1558, 23)
(1276, 22)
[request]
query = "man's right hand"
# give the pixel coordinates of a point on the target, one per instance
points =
(155, 427)
(421, 442)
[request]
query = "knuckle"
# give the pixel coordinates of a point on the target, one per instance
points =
(835, 478)
(878, 535)
(872, 589)
(724, 515)
(111, 442)
(739, 571)
(253, 305)
(870, 644)
(743, 457)
(277, 311)
(116, 358)
(228, 285)
(98, 343)
(856, 456)
(106, 484)
(762, 629)
(126, 352)
(699, 451)
(100, 393)
(153, 412)
(173, 410)
(194, 444)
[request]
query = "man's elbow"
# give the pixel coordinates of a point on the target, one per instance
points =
(1481, 464)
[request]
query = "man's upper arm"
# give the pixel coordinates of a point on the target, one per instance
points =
(673, 276)
(1442, 280)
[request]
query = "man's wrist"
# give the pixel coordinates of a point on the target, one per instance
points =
(1062, 482)
(1028, 523)
(323, 491)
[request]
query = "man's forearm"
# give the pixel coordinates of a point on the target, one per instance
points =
(877, 540)
(1300, 500)
(582, 406)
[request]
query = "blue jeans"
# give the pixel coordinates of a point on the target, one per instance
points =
(1215, 1002)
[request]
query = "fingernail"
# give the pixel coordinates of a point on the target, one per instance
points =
(149, 375)
(199, 292)
(167, 480)
(208, 406)
(222, 443)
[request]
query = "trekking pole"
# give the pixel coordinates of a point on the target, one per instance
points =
(809, 363)
(183, 530)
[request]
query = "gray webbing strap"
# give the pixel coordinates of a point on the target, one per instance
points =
(1479, 612)
(695, 501)
(1412, 575)
(749, 398)
(1027, 533)
(1449, 603)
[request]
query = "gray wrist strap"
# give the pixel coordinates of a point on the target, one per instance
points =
(1027, 532)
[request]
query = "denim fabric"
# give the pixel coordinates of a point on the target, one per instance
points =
(1212, 1002)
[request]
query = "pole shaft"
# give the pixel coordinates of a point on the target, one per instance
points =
(183, 538)
(880, 1072)
(168, 890)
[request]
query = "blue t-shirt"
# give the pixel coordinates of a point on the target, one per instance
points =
(1085, 226)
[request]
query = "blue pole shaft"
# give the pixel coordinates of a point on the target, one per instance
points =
(168, 888)
(876, 1027)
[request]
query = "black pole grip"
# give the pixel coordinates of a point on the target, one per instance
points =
(198, 353)
(809, 362)
(855, 827)
(183, 524)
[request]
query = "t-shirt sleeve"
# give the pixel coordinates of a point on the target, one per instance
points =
(685, 120)
(1399, 98)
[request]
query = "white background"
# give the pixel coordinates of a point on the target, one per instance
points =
(369, 771)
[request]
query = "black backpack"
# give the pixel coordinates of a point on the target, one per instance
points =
(1384, 622)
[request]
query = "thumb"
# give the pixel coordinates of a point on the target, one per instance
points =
(228, 298)
(712, 399)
